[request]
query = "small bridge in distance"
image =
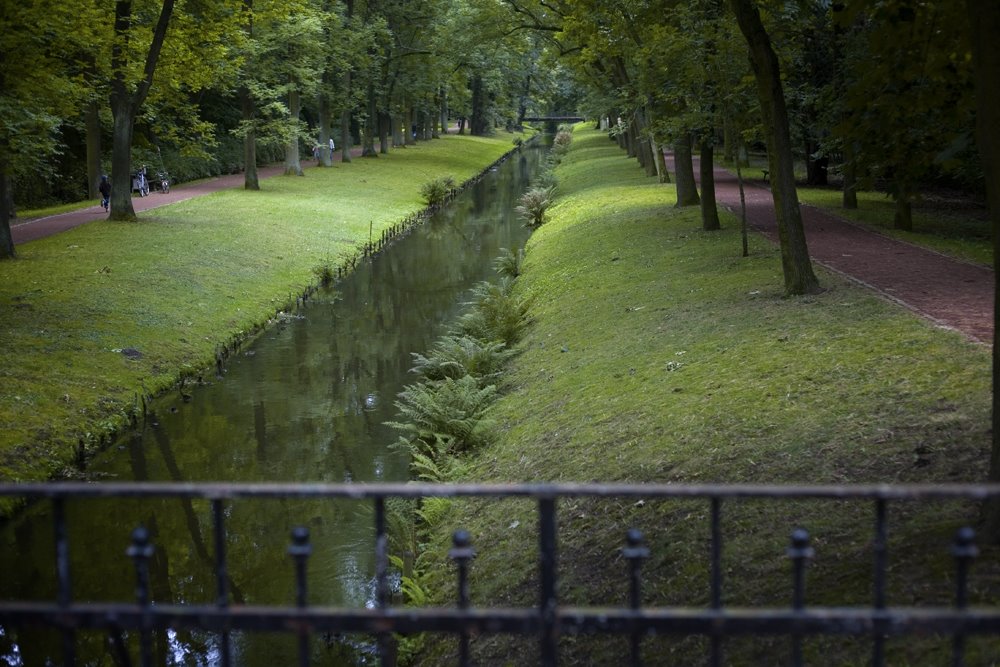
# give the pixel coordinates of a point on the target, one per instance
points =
(554, 119)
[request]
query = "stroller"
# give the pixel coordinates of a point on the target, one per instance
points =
(139, 182)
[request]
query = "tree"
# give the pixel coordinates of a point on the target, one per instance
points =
(128, 92)
(909, 97)
(36, 93)
(795, 263)
(984, 26)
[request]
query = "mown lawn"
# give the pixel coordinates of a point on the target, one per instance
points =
(658, 354)
(97, 318)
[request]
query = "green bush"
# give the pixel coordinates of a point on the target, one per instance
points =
(436, 191)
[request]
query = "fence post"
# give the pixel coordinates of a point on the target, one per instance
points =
(880, 548)
(965, 551)
(64, 594)
(140, 551)
(799, 553)
(300, 550)
(462, 553)
(221, 573)
(635, 552)
(548, 602)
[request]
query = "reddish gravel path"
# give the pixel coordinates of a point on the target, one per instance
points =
(950, 292)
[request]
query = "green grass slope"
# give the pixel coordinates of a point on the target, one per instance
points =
(98, 317)
(658, 354)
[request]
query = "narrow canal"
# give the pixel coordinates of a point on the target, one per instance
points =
(307, 401)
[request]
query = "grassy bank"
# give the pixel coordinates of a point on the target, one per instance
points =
(97, 318)
(658, 354)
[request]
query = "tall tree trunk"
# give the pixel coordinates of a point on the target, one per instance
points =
(687, 190)
(984, 19)
(126, 100)
(662, 173)
(371, 125)
(816, 168)
(795, 263)
(709, 213)
(121, 159)
(728, 145)
(444, 110)
(410, 127)
(850, 196)
(902, 219)
(346, 140)
(250, 180)
(92, 123)
(384, 121)
(397, 131)
(478, 125)
(6, 239)
(325, 124)
(293, 165)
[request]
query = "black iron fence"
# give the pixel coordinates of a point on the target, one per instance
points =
(548, 620)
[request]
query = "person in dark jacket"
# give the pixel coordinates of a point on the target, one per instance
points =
(105, 190)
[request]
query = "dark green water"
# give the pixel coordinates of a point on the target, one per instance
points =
(306, 402)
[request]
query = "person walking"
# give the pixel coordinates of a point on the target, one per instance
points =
(105, 189)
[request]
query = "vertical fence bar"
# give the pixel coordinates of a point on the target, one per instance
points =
(964, 550)
(386, 653)
(716, 639)
(547, 560)
(635, 552)
(799, 552)
(65, 589)
(462, 553)
(221, 574)
(140, 551)
(300, 550)
(880, 548)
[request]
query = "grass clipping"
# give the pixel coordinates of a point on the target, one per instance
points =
(658, 354)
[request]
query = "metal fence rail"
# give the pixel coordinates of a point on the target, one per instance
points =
(548, 620)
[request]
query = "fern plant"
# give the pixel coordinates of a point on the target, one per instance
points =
(445, 416)
(497, 314)
(458, 356)
(508, 264)
(533, 204)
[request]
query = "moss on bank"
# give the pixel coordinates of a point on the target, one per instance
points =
(100, 317)
(658, 354)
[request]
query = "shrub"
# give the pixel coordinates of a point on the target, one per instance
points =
(533, 205)
(324, 273)
(436, 191)
(562, 141)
